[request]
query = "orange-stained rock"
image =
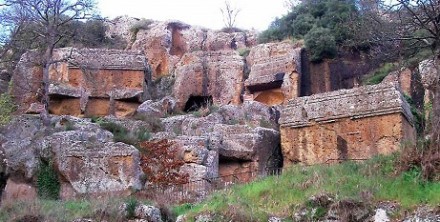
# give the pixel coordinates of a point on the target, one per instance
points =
(125, 108)
(18, 191)
(274, 72)
(217, 74)
(164, 43)
(97, 107)
(83, 74)
(66, 106)
(345, 124)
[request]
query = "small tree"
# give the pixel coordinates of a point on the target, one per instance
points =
(51, 18)
(229, 15)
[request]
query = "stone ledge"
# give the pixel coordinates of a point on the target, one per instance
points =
(381, 99)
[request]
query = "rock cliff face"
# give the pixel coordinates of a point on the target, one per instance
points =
(345, 124)
(164, 43)
(274, 73)
(215, 75)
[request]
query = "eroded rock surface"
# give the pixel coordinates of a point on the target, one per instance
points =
(345, 124)
(218, 75)
(274, 73)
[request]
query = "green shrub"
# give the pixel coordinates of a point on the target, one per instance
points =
(244, 52)
(120, 133)
(48, 185)
(379, 74)
(143, 134)
(130, 207)
(321, 44)
(7, 108)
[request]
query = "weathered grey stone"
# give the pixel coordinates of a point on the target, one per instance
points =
(381, 216)
(193, 126)
(35, 108)
(429, 71)
(97, 167)
(19, 142)
(348, 210)
(425, 214)
(150, 213)
(157, 109)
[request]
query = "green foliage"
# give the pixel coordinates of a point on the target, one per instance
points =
(143, 134)
(311, 18)
(379, 74)
(130, 207)
(350, 180)
(68, 126)
(48, 185)
(120, 133)
(321, 44)
(96, 119)
(244, 52)
(419, 117)
(99, 209)
(7, 108)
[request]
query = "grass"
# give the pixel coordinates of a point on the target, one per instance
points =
(379, 74)
(99, 209)
(53, 210)
(371, 182)
(122, 134)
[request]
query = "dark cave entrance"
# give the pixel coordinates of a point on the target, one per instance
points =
(194, 103)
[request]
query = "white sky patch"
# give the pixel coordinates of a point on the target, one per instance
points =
(256, 14)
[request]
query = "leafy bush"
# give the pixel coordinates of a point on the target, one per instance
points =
(120, 133)
(7, 108)
(244, 52)
(379, 74)
(48, 185)
(310, 17)
(321, 44)
(130, 207)
(143, 134)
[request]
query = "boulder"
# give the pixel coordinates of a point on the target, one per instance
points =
(258, 145)
(149, 213)
(348, 210)
(157, 109)
(217, 75)
(96, 167)
(19, 142)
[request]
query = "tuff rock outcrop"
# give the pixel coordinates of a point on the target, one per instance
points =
(217, 75)
(275, 73)
(91, 82)
(164, 43)
(345, 124)
(83, 155)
